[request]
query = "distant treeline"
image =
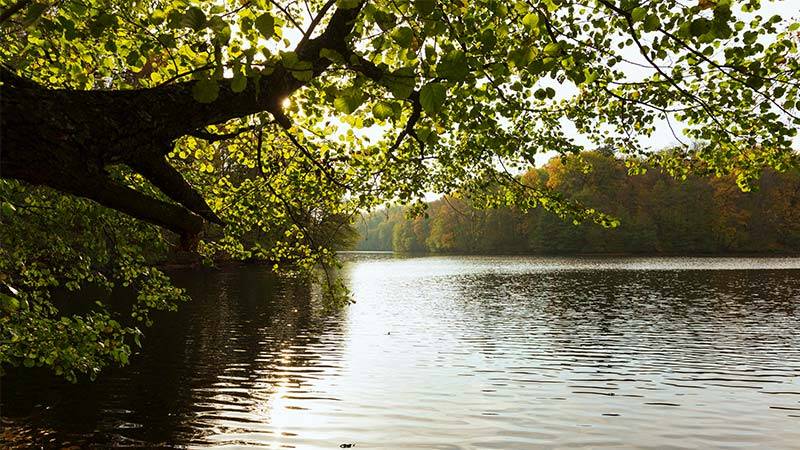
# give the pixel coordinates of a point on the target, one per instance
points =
(658, 214)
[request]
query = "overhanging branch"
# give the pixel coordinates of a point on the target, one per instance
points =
(133, 127)
(169, 181)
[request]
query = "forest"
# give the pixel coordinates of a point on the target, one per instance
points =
(657, 214)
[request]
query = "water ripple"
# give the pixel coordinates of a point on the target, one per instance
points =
(452, 353)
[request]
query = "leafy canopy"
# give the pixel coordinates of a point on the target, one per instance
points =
(385, 100)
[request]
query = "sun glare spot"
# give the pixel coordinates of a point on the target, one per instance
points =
(287, 102)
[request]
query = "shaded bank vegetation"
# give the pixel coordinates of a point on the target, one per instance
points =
(657, 213)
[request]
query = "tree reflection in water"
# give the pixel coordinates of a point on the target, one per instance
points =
(452, 352)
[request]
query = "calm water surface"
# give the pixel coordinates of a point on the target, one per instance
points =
(453, 352)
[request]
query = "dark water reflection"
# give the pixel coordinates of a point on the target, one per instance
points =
(453, 352)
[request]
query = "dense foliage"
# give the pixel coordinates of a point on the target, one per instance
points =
(54, 245)
(257, 129)
(657, 213)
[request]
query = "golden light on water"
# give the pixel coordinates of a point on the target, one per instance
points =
(280, 415)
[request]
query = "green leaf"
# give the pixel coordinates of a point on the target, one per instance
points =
(522, 56)
(8, 303)
(99, 25)
(301, 70)
(590, 75)
(265, 24)
(349, 101)
(302, 75)
(341, 104)
(6, 209)
(347, 4)
(382, 110)
(133, 59)
(238, 83)
(699, 27)
(403, 36)
(401, 82)
(651, 23)
(424, 7)
(755, 82)
(194, 18)
(720, 29)
(432, 97)
(454, 66)
(289, 59)
(638, 14)
(552, 49)
(332, 55)
(488, 39)
(531, 20)
(205, 90)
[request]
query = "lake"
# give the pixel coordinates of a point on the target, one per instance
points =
(450, 352)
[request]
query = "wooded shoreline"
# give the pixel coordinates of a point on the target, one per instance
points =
(656, 213)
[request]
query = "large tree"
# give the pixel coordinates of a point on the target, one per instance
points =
(134, 104)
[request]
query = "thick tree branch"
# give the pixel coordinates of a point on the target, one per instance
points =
(129, 201)
(159, 172)
(107, 192)
(317, 19)
(176, 113)
(10, 78)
